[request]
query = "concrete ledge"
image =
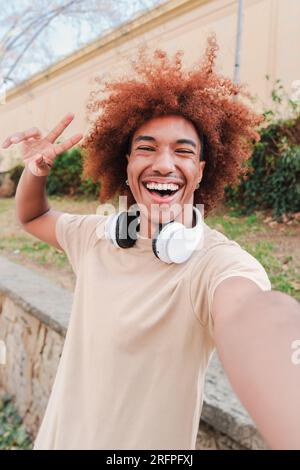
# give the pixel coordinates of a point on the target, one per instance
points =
(223, 411)
(34, 316)
(36, 295)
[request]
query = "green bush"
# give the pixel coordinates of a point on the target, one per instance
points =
(273, 183)
(13, 435)
(15, 174)
(272, 175)
(65, 176)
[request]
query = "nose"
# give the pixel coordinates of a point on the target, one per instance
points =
(163, 162)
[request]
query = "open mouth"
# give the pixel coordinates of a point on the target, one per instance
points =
(162, 192)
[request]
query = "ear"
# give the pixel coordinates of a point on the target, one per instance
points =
(201, 169)
(127, 156)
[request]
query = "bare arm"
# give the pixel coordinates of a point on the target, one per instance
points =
(255, 333)
(32, 208)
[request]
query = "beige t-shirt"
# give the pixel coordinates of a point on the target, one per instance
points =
(139, 340)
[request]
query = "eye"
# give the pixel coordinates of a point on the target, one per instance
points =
(184, 151)
(146, 148)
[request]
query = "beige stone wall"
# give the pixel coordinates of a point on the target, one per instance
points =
(269, 46)
(33, 352)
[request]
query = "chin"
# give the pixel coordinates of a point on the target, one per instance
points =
(163, 214)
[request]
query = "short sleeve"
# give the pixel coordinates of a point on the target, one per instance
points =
(237, 262)
(76, 233)
(222, 261)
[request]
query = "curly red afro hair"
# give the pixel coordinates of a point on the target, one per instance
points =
(161, 87)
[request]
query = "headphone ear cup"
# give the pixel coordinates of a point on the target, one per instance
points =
(126, 228)
(162, 238)
(175, 243)
(154, 242)
(110, 229)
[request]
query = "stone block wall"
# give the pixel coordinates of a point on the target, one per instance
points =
(33, 351)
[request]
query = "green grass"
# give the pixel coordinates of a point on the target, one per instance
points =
(282, 280)
(234, 226)
(17, 244)
(35, 251)
(5, 205)
(282, 269)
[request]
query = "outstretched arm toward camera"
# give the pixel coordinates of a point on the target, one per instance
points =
(32, 208)
(256, 333)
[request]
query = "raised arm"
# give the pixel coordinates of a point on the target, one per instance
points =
(32, 207)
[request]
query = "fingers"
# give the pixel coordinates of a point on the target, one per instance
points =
(60, 148)
(42, 161)
(20, 136)
(61, 126)
(35, 132)
(38, 165)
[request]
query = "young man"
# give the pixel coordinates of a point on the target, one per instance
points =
(142, 328)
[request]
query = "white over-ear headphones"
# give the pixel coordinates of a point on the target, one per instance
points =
(172, 243)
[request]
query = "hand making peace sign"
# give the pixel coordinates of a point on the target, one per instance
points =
(40, 152)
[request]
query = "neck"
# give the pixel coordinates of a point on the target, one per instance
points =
(149, 226)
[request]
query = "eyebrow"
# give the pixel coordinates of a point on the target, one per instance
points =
(179, 141)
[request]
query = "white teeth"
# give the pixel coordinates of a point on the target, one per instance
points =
(162, 186)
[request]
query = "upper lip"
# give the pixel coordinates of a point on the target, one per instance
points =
(163, 181)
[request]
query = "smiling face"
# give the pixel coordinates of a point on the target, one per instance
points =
(163, 170)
